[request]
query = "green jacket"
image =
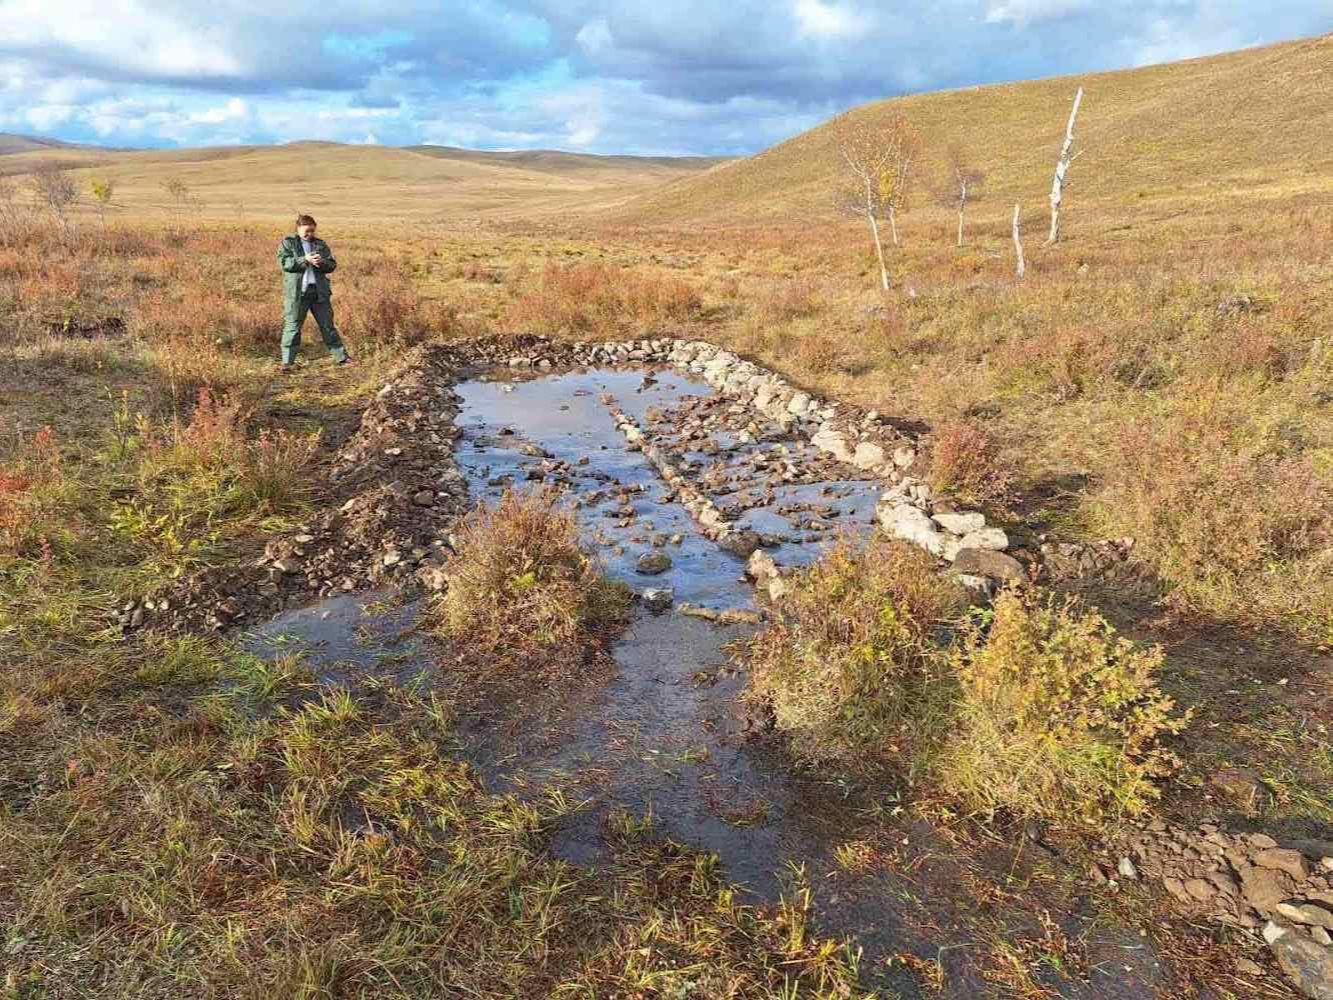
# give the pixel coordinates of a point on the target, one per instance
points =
(291, 258)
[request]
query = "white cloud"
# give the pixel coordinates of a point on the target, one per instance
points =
(131, 37)
(233, 111)
(822, 19)
(595, 36)
(1025, 12)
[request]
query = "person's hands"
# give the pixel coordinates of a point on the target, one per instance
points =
(314, 258)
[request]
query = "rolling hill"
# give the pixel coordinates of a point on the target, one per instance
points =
(353, 183)
(1257, 119)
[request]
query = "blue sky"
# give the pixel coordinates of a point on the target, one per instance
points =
(637, 76)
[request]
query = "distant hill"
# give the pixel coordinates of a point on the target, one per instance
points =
(558, 161)
(11, 142)
(355, 183)
(1258, 118)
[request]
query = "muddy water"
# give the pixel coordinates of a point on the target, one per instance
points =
(667, 733)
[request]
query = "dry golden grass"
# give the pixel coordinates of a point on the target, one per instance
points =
(521, 581)
(342, 185)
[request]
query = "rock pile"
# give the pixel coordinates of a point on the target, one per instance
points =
(1250, 881)
(978, 552)
(400, 492)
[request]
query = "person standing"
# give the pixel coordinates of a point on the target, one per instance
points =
(306, 263)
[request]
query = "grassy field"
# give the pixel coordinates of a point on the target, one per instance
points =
(343, 185)
(173, 813)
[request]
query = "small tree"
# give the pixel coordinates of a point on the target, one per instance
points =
(102, 191)
(1062, 169)
(879, 159)
(55, 190)
(963, 185)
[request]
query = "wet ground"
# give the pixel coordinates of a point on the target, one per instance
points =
(668, 732)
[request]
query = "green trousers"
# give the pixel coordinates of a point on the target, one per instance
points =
(294, 319)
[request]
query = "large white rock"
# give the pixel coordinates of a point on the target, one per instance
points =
(833, 442)
(868, 455)
(911, 524)
(799, 404)
(961, 524)
(986, 538)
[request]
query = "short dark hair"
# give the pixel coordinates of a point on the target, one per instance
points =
(306, 220)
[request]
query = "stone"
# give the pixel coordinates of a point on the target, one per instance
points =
(911, 524)
(962, 523)
(288, 566)
(1307, 914)
(988, 562)
(760, 566)
(652, 563)
(1291, 862)
(739, 543)
(697, 611)
(833, 442)
(424, 499)
(1200, 890)
(903, 457)
(778, 587)
(868, 455)
(1307, 963)
(1322, 936)
(658, 599)
(799, 404)
(986, 538)
(392, 558)
(1126, 868)
(1247, 967)
(1264, 888)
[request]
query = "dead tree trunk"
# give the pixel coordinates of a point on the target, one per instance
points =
(893, 225)
(1018, 244)
(1062, 168)
(874, 231)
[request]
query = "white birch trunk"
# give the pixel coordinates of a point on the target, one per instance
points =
(893, 224)
(1062, 168)
(879, 251)
(1018, 244)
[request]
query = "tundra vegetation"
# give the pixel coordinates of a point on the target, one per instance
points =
(176, 816)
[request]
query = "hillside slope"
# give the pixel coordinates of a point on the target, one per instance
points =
(1258, 118)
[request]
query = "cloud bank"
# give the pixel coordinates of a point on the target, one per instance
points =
(638, 77)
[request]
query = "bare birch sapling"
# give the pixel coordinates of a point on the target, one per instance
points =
(1062, 168)
(1020, 267)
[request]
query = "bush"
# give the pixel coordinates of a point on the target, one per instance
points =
(1059, 718)
(521, 580)
(852, 668)
(30, 496)
(967, 459)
